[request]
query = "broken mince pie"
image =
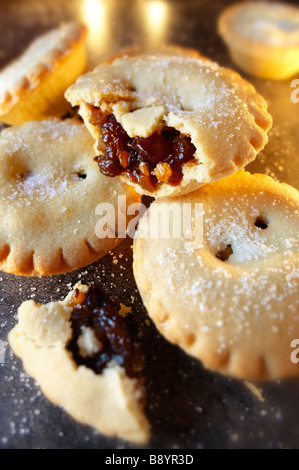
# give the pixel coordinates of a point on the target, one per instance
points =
(168, 123)
(81, 353)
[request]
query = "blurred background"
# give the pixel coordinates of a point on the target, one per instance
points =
(116, 25)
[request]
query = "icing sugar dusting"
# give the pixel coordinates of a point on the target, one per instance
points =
(39, 187)
(198, 96)
(239, 231)
(257, 281)
(274, 24)
(40, 54)
(41, 161)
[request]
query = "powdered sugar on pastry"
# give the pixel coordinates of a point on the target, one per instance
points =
(110, 401)
(32, 86)
(274, 25)
(234, 302)
(263, 38)
(50, 188)
(226, 120)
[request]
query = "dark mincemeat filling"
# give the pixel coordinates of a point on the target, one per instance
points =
(99, 311)
(146, 161)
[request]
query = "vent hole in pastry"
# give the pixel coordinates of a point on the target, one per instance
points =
(25, 175)
(225, 254)
(261, 223)
(81, 175)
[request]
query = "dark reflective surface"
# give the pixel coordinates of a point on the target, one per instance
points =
(188, 406)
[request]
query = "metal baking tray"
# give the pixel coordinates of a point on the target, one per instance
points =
(188, 406)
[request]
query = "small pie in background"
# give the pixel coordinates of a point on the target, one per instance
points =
(168, 123)
(263, 38)
(32, 86)
(81, 353)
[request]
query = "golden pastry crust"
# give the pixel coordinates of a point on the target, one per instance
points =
(49, 190)
(110, 402)
(223, 115)
(263, 38)
(171, 49)
(237, 316)
(32, 86)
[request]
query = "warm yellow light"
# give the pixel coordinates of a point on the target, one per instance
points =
(95, 14)
(156, 18)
